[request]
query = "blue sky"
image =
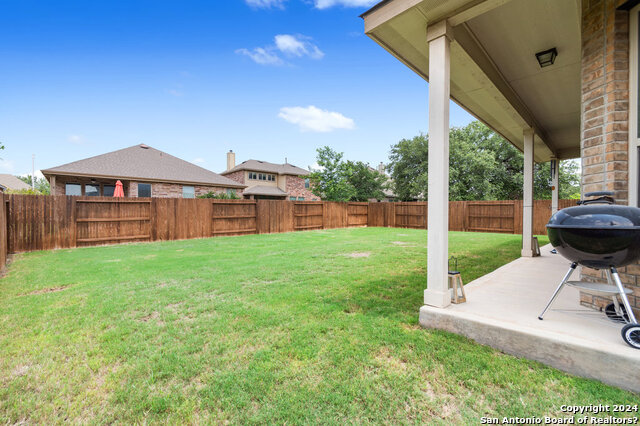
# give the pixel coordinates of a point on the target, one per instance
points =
(267, 78)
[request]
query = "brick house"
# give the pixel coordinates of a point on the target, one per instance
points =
(556, 78)
(266, 180)
(144, 172)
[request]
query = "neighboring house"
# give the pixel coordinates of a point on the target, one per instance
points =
(270, 181)
(144, 172)
(559, 79)
(10, 182)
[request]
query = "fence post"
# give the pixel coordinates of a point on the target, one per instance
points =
(324, 213)
(74, 216)
(153, 220)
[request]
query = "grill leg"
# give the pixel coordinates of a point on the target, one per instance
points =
(616, 303)
(562, 283)
(623, 295)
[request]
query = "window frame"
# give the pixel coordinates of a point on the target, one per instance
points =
(73, 183)
(104, 187)
(150, 190)
(93, 185)
(193, 193)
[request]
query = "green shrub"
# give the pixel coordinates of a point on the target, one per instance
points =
(220, 195)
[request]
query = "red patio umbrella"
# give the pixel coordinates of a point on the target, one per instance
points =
(119, 192)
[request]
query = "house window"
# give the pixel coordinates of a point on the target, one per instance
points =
(253, 176)
(306, 183)
(92, 190)
(73, 189)
(188, 192)
(300, 198)
(144, 190)
(231, 192)
(108, 190)
(292, 198)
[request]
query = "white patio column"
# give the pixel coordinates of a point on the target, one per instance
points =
(555, 182)
(527, 195)
(437, 293)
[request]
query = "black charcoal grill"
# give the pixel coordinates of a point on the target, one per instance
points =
(601, 235)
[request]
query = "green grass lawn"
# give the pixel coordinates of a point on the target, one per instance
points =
(317, 326)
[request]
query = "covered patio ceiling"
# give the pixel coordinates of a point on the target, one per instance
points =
(494, 71)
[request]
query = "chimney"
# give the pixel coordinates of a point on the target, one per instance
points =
(231, 160)
(381, 167)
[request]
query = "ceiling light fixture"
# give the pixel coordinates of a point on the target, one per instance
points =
(547, 57)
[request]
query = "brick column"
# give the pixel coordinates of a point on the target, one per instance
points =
(605, 97)
(605, 117)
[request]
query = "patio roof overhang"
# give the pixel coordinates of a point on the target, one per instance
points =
(494, 71)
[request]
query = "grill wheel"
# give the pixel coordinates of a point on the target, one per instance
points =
(631, 335)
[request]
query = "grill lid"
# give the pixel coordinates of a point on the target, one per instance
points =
(596, 216)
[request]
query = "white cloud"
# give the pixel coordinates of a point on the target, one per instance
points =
(325, 4)
(77, 139)
(199, 161)
(313, 119)
(297, 45)
(266, 4)
(261, 56)
(289, 45)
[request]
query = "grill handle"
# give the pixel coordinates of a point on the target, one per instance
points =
(604, 197)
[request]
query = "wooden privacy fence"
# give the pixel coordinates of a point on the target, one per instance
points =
(29, 222)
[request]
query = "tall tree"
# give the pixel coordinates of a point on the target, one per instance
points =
(482, 165)
(408, 163)
(366, 182)
(339, 180)
(330, 180)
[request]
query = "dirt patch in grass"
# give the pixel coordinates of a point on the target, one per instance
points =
(20, 370)
(174, 306)
(411, 326)
(389, 361)
(152, 316)
(357, 254)
(403, 243)
(49, 290)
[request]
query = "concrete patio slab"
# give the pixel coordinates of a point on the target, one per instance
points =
(502, 311)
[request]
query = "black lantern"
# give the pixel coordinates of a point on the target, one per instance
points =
(547, 57)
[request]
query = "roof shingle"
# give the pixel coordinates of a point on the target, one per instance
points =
(12, 182)
(273, 191)
(265, 166)
(144, 163)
